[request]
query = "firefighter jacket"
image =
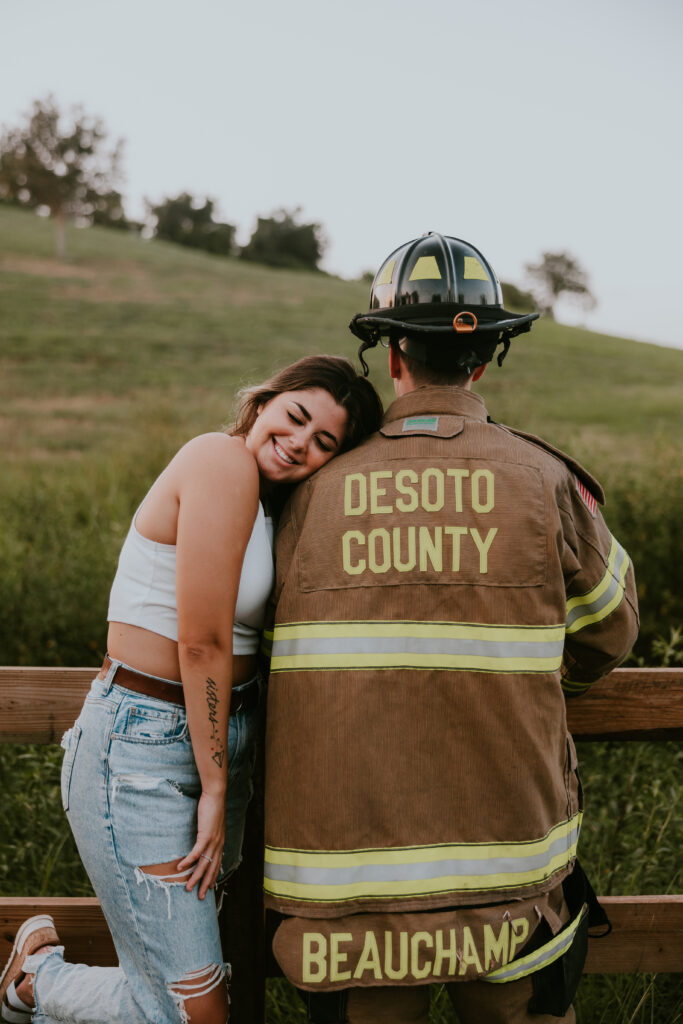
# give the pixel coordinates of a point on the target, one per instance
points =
(440, 589)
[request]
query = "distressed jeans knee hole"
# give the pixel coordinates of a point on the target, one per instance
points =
(200, 985)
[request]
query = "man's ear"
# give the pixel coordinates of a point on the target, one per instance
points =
(479, 372)
(395, 367)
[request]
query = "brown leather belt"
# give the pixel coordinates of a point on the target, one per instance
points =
(243, 699)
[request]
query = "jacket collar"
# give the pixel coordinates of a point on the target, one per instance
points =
(445, 400)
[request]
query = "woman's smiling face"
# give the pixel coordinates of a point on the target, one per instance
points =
(296, 433)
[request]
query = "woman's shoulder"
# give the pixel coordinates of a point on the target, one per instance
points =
(217, 445)
(216, 452)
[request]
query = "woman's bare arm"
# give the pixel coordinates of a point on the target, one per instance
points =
(217, 488)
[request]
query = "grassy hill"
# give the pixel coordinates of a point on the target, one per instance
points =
(129, 332)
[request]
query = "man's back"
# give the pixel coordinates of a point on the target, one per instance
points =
(418, 752)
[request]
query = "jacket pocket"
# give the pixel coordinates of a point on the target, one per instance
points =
(573, 780)
(70, 741)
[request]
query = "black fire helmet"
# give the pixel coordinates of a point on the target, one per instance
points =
(440, 298)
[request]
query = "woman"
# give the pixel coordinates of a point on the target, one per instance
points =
(172, 714)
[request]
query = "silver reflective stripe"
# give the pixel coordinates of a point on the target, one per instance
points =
(604, 597)
(546, 954)
(412, 645)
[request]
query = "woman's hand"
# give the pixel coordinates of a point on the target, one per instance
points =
(207, 852)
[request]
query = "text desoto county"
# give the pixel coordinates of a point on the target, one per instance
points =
(413, 547)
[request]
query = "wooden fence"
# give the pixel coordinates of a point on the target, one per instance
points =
(37, 705)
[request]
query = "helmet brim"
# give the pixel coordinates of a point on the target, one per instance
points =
(438, 320)
(471, 348)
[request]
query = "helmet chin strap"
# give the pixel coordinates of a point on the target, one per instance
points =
(369, 341)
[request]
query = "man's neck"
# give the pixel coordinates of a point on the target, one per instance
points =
(405, 384)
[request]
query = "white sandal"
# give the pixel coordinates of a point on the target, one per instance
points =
(13, 1009)
(34, 933)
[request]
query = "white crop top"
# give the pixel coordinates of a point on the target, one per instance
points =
(143, 591)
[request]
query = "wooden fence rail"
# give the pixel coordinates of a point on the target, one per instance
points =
(38, 704)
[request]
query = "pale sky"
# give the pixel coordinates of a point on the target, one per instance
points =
(519, 126)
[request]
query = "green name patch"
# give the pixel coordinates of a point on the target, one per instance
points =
(421, 423)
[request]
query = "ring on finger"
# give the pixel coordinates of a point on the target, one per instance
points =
(204, 857)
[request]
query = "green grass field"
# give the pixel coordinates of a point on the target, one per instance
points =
(110, 361)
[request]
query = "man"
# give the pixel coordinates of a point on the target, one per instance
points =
(440, 589)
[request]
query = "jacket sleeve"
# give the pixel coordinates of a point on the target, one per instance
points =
(286, 537)
(602, 606)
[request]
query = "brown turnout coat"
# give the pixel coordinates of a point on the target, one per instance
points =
(440, 590)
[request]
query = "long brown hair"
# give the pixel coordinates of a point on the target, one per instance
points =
(333, 374)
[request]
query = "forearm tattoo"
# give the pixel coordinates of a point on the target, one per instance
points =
(212, 702)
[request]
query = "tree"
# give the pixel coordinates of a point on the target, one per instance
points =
(517, 299)
(108, 212)
(58, 164)
(280, 241)
(557, 273)
(183, 220)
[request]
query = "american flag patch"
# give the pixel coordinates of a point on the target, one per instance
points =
(586, 497)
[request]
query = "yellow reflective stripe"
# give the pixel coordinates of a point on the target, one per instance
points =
(597, 590)
(541, 957)
(339, 876)
(604, 597)
(573, 686)
(615, 601)
(393, 627)
(266, 645)
(448, 646)
(443, 662)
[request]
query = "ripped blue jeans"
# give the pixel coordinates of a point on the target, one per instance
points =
(130, 789)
